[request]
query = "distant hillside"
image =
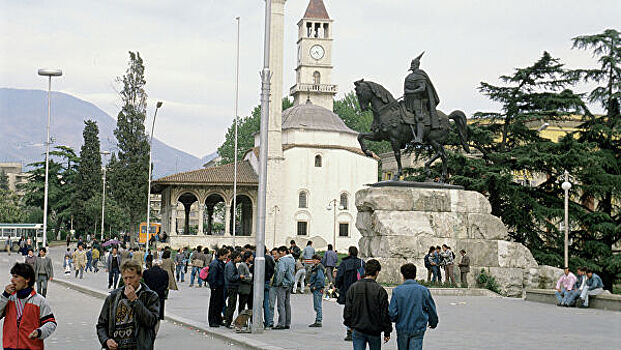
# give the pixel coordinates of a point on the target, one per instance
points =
(23, 119)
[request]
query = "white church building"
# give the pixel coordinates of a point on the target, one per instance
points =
(315, 165)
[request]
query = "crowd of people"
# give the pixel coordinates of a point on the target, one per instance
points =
(133, 310)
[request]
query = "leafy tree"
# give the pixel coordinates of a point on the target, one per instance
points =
(11, 210)
(62, 173)
(88, 177)
(131, 166)
(598, 198)
(246, 129)
(4, 181)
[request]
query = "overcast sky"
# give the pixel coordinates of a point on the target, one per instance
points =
(189, 50)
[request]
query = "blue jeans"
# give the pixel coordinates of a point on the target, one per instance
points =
(268, 312)
(180, 272)
(436, 274)
(317, 295)
(196, 273)
(360, 341)
(570, 297)
(410, 341)
(113, 278)
(560, 296)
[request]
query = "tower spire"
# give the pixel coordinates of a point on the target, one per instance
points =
(316, 10)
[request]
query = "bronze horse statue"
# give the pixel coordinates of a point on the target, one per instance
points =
(388, 125)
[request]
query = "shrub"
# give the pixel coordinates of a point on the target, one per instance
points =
(488, 281)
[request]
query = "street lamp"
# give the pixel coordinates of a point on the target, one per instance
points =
(103, 195)
(47, 73)
(566, 185)
(332, 206)
(157, 106)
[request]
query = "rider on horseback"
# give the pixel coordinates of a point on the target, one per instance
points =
(421, 100)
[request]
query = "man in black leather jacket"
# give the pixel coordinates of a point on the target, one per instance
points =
(348, 272)
(129, 315)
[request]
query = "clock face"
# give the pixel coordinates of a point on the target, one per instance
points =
(317, 52)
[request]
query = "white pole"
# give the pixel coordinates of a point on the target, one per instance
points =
(235, 150)
(566, 188)
(259, 269)
(47, 158)
(334, 224)
(158, 105)
(103, 204)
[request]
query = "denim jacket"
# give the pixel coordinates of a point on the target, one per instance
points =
(595, 282)
(412, 308)
(285, 272)
(318, 277)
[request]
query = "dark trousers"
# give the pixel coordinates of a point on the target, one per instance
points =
(464, 279)
(231, 303)
(244, 302)
(216, 302)
(162, 301)
(429, 274)
(113, 278)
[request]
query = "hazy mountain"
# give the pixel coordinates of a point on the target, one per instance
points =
(23, 120)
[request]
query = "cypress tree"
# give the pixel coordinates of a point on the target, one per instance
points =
(4, 181)
(131, 166)
(88, 177)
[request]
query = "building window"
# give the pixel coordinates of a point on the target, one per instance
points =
(302, 228)
(316, 78)
(317, 161)
(302, 200)
(343, 230)
(344, 201)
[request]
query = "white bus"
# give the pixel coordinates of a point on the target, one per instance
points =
(16, 231)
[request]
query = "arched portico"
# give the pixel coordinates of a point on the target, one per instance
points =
(243, 215)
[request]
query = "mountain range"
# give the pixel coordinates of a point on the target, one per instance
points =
(23, 120)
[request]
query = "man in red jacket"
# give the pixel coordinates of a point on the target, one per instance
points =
(28, 319)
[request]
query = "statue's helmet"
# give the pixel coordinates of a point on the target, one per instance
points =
(416, 62)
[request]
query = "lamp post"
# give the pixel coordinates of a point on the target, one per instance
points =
(566, 185)
(103, 195)
(275, 210)
(157, 106)
(235, 150)
(49, 73)
(332, 206)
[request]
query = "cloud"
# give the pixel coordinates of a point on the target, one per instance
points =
(189, 49)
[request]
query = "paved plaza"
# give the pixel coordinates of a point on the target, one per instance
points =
(465, 322)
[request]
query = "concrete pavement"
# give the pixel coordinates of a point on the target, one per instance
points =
(465, 322)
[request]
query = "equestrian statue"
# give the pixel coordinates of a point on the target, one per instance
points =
(413, 120)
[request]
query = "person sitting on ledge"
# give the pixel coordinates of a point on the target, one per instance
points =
(571, 296)
(564, 286)
(594, 286)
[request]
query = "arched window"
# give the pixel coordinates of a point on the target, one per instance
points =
(316, 78)
(318, 161)
(302, 200)
(344, 201)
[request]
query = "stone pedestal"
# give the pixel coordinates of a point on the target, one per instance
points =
(399, 224)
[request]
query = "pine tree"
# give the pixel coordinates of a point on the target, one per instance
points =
(4, 181)
(132, 167)
(599, 228)
(509, 143)
(88, 179)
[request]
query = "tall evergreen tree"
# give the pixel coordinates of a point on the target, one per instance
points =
(132, 165)
(88, 179)
(599, 201)
(4, 181)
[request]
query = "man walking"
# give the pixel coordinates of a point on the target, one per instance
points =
(215, 279)
(464, 268)
(44, 271)
(95, 253)
(114, 268)
(129, 314)
(283, 281)
(28, 318)
(329, 262)
(366, 310)
(231, 283)
(80, 261)
(350, 270)
(412, 309)
(157, 280)
(180, 260)
(317, 283)
(198, 262)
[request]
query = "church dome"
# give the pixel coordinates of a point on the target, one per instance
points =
(312, 117)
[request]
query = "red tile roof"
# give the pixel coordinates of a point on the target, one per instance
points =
(222, 174)
(316, 10)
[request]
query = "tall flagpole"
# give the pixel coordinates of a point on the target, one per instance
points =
(259, 265)
(236, 118)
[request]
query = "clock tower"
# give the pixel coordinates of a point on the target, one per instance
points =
(314, 60)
